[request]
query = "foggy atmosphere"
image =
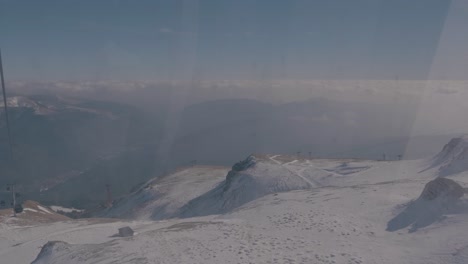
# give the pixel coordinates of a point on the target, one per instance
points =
(216, 131)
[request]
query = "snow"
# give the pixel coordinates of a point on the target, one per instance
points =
(31, 210)
(258, 179)
(22, 244)
(44, 209)
(57, 208)
(272, 211)
(163, 197)
(453, 158)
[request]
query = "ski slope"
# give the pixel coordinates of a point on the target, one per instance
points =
(268, 209)
(161, 198)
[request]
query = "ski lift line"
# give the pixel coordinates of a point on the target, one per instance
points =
(2, 77)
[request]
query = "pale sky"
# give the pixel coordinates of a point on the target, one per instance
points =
(241, 40)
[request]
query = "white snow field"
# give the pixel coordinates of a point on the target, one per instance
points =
(272, 209)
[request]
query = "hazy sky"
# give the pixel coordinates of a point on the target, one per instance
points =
(225, 39)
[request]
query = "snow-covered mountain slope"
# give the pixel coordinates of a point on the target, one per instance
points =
(247, 181)
(21, 244)
(274, 209)
(163, 197)
(453, 158)
(258, 176)
(200, 191)
(334, 224)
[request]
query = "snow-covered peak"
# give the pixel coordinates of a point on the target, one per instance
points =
(453, 158)
(206, 190)
(253, 178)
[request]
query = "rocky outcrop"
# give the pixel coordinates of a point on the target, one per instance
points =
(442, 188)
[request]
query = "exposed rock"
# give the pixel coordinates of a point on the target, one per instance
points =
(125, 231)
(245, 164)
(439, 197)
(48, 250)
(442, 187)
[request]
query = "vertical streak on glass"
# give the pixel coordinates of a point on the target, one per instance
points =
(6, 107)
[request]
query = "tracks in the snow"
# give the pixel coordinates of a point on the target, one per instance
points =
(311, 182)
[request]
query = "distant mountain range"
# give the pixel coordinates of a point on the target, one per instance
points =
(67, 149)
(57, 140)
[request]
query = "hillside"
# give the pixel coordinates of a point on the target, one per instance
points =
(58, 140)
(217, 191)
(248, 126)
(67, 149)
(161, 198)
(282, 209)
(324, 211)
(272, 209)
(33, 214)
